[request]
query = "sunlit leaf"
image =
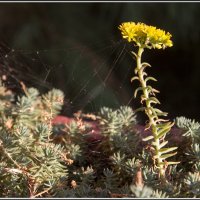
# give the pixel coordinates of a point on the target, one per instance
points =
(168, 155)
(167, 150)
(136, 91)
(148, 138)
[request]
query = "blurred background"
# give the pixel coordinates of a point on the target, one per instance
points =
(77, 48)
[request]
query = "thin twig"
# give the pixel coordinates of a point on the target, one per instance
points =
(40, 193)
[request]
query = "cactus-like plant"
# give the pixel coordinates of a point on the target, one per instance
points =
(144, 36)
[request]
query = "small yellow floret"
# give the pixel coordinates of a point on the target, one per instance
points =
(145, 36)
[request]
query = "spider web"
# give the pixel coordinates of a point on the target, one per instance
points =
(91, 76)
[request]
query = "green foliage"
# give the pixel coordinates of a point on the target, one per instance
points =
(144, 36)
(115, 120)
(147, 192)
(189, 127)
(39, 159)
(29, 163)
(192, 182)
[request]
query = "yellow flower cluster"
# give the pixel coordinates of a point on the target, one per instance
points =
(145, 36)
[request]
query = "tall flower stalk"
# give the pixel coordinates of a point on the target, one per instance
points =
(144, 36)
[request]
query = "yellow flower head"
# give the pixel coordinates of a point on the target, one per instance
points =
(145, 36)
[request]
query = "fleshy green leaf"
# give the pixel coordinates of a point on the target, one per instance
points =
(167, 150)
(148, 138)
(162, 144)
(149, 78)
(145, 64)
(168, 155)
(165, 129)
(163, 125)
(134, 78)
(163, 132)
(132, 52)
(173, 163)
(136, 91)
(153, 100)
(160, 113)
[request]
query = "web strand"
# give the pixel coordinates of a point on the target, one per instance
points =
(100, 70)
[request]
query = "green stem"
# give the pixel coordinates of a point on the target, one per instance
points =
(159, 160)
